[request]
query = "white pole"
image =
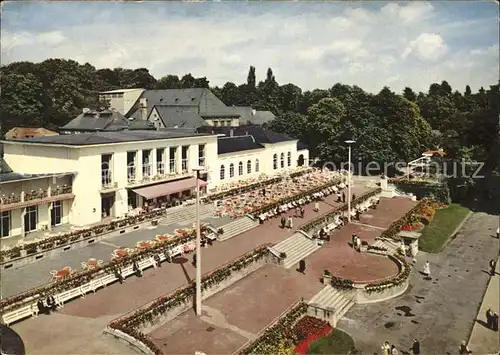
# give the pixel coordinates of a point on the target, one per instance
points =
(198, 249)
(349, 188)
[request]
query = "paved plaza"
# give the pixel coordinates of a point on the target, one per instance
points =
(440, 312)
(236, 315)
(117, 299)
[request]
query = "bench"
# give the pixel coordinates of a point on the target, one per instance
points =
(65, 296)
(30, 310)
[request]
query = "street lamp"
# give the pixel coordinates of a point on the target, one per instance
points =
(198, 243)
(349, 143)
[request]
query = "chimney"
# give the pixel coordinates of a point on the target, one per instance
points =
(85, 109)
(231, 132)
(143, 103)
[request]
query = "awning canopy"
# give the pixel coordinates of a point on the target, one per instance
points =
(168, 188)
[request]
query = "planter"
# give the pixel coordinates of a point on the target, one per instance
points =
(363, 248)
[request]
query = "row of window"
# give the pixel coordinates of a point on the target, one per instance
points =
(282, 160)
(240, 169)
(30, 219)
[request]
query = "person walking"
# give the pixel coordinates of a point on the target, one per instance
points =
(302, 266)
(464, 349)
(386, 348)
(494, 322)
(394, 351)
(283, 222)
(427, 269)
(194, 260)
(489, 319)
(493, 266)
(302, 212)
(343, 197)
(316, 206)
(498, 233)
(290, 223)
(415, 348)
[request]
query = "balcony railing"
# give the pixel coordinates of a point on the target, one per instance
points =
(131, 174)
(184, 165)
(201, 161)
(107, 179)
(33, 196)
(147, 170)
(160, 168)
(172, 166)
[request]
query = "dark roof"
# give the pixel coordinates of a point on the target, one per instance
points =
(180, 117)
(107, 137)
(301, 145)
(236, 144)
(201, 98)
(105, 120)
(260, 134)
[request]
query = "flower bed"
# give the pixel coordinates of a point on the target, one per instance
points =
(280, 333)
(399, 279)
(132, 323)
(341, 284)
(76, 235)
(309, 329)
(83, 277)
(411, 217)
(329, 217)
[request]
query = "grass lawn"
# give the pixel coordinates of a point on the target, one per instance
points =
(337, 342)
(445, 221)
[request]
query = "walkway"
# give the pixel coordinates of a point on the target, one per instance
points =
(118, 299)
(484, 340)
(440, 313)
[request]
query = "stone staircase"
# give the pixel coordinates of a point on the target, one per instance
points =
(186, 215)
(391, 247)
(236, 227)
(296, 248)
(332, 300)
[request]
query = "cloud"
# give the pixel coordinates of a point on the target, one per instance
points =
(428, 46)
(313, 45)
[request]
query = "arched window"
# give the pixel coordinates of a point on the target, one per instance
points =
(222, 172)
(249, 167)
(300, 161)
(282, 160)
(256, 165)
(240, 168)
(231, 170)
(289, 158)
(275, 161)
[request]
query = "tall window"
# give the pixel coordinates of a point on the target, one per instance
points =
(4, 224)
(275, 161)
(30, 218)
(240, 168)
(172, 161)
(146, 163)
(185, 150)
(106, 177)
(249, 167)
(56, 214)
(131, 160)
(282, 160)
(257, 165)
(160, 161)
(289, 158)
(201, 155)
(231, 170)
(222, 172)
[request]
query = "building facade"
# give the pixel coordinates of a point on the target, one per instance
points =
(85, 178)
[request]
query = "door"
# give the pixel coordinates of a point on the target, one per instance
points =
(30, 218)
(56, 214)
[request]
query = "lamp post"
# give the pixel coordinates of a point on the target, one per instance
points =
(198, 243)
(349, 143)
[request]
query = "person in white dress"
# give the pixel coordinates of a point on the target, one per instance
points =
(358, 242)
(386, 348)
(427, 269)
(316, 206)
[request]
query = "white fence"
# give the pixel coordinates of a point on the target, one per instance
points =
(31, 310)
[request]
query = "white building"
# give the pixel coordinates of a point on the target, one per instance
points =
(92, 176)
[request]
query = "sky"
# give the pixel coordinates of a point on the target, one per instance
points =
(310, 44)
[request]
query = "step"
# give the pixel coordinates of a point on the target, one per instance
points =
(242, 225)
(305, 252)
(288, 242)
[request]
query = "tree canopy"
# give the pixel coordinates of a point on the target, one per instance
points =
(387, 126)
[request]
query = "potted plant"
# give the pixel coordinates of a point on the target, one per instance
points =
(327, 277)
